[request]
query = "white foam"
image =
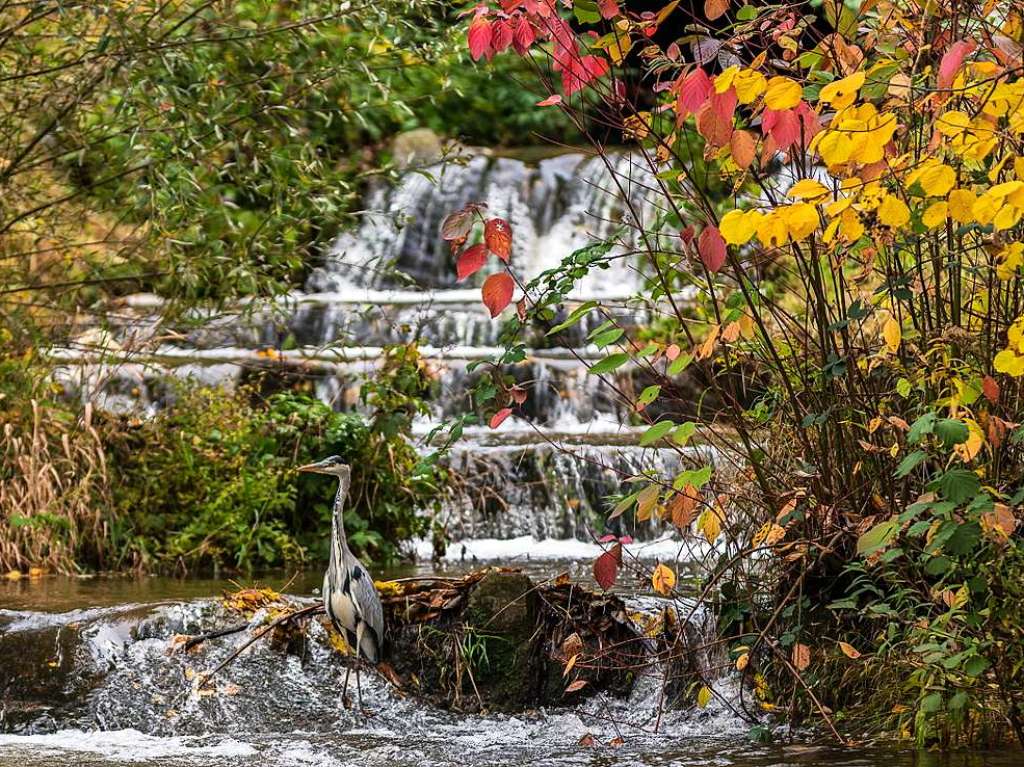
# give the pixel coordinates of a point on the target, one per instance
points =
(124, 745)
(666, 547)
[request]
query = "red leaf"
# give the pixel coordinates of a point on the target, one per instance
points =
(581, 71)
(625, 540)
(609, 8)
(471, 261)
(498, 418)
(522, 35)
(606, 567)
(694, 90)
(550, 101)
(497, 293)
(991, 389)
(498, 236)
(952, 60)
(479, 36)
(521, 309)
(501, 35)
(724, 104)
(711, 247)
(783, 127)
(606, 538)
(518, 394)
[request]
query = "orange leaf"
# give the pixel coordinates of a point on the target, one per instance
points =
(497, 293)
(742, 146)
(801, 656)
(579, 684)
(715, 8)
(849, 650)
(498, 236)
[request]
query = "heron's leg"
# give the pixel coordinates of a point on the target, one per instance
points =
(359, 689)
(344, 688)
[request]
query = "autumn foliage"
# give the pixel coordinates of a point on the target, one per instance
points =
(863, 269)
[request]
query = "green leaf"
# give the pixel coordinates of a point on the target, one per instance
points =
(951, 431)
(910, 463)
(746, 13)
(648, 395)
(903, 387)
(957, 485)
(975, 666)
(609, 363)
(682, 435)
(656, 432)
(679, 364)
(608, 337)
(578, 313)
(964, 538)
(920, 427)
(586, 11)
(931, 703)
(877, 537)
(696, 477)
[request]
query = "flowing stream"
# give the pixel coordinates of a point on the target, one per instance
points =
(100, 654)
(95, 678)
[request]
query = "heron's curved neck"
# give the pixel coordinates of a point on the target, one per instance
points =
(338, 541)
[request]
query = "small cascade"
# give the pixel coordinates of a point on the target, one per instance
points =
(549, 470)
(554, 208)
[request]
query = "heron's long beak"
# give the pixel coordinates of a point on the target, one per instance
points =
(312, 468)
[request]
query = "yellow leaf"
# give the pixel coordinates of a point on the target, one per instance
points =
(1009, 260)
(849, 650)
(893, 212)
(769, 534)
(742, 661)
(782, 93)
(663, 580)
(801, 219)
(961, 205)
(935, 215)
(935, 178)
(749, 84)
(738, 226)
(807, 189)
(710, 524)
(1007, 361)
(892, 334)
(569, 666)
(842, 93)
(703, 696)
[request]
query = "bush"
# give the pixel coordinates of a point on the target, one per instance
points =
(865, 273)
(212, 481)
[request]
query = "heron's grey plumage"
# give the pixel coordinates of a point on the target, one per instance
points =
(350, 598)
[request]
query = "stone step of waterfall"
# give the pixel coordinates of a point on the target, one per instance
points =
(555, 490)
(440, 318)
(561, 392)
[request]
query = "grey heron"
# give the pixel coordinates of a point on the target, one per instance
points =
(350, 598)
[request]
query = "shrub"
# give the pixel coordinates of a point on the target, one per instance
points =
(866, 274)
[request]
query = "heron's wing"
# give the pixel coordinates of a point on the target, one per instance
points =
(367, 602)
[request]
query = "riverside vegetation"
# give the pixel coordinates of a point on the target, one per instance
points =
(853, 300)
(206, 152)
